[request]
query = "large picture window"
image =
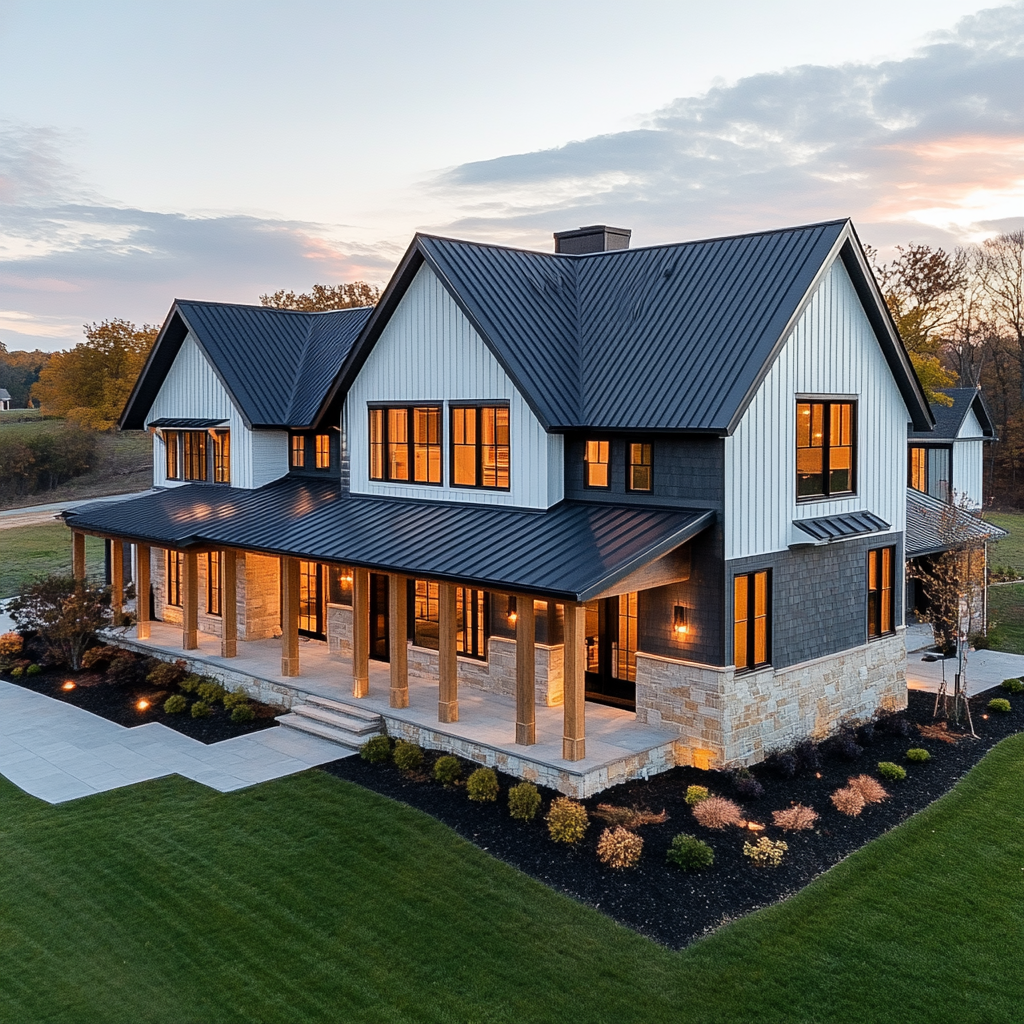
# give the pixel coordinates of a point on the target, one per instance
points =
(596, 458)
(930, 470)
(825, 449)
(175, 568)
(480, 446)
(881, 608)
(471, 617)
(405, 444)
(641, 475)
(752, 619)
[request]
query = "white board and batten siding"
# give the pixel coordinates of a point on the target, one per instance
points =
(832, 351)
(430, 353)
(191, 390)
(969, 461)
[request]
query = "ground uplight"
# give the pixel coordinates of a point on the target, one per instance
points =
(68, 685)
(142, 705)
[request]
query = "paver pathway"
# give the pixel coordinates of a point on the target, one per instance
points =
(58, 752)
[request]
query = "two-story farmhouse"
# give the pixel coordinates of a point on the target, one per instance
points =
(582, 514)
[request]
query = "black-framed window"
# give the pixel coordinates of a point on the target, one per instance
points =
(405, 443)
(175, 569)
(825, 449)
(596, 458)
(298, 451)
(752, 606)
(480, 454)
(221, 457)
(881, 606)
(339, 584)
(930, 470)
(213, 590)
(472, 619)
(323, 451)
(171, 452)
(196, 455)
(640, 471)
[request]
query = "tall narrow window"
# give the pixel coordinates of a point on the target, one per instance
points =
(398, 444)
(494, 449)
(625, 648)
(213, 596)
(480, 446)
(194, 454)
(175, 566)
(298, 450)
(310, 603)
(641, 476)
(917, 468)
(596, 458)
(464, 448)
(405, 444)
(222, 457)
(323, 451)
(825, 449)
(376, 444)
(426, 442)
(751, 619)
(881, 610)
(171, 449)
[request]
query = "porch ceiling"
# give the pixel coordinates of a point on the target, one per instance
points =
(573, 551)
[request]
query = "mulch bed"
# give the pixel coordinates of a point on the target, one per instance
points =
(675, 907)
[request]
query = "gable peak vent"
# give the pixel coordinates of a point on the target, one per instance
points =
(596, 238)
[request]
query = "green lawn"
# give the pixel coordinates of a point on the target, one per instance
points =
(1010, 550)
(1006, 618)
(309, 899)
(27, 552)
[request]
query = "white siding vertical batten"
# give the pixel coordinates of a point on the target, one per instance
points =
(831, 350)
(429, 352)
(968, 461)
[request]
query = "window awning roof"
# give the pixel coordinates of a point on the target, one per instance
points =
(573, 551)
(185, 424)
(826, 529)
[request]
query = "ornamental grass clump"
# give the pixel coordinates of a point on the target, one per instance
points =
(918, 755)
(482, 785)
(795, 819)
(766, 853)
(695, 794)
(871, 789)
(629, 817)
(523, 801)
(892, 772)
(718, 813)
(998, 704)
(690, 853)
(376, 750)
(619, 848)
(447, 770)
(407, 756)
(848, 801)
(1009, 685)
(175, 704)
(567, 820)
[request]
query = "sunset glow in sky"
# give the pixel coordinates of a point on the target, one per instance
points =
(218, 150)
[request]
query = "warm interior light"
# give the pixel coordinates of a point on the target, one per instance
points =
(68, 685)
(679, 624)
(513, 615)
(142, 705)
(346, 575)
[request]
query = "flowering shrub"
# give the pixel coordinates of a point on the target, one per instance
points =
(765, 853)
(717, 812)
(10, 644)
(795, 818)
(619, 848)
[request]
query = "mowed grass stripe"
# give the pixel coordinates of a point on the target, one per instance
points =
(308, 899)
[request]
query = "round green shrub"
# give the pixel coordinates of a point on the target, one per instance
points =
(567, 820)
(918, 754)
(242, 713)
(190, 682)
(210, 690)
(1013, 685)
(200, 709)
(482, 785)
(523, 801)
(447, 770)
(690, 853)
(408, 756)
(695, 794)
(33, 670)
(892, 772)
(17, 672)
(166, 674)
(998, 704)
(376, 750)
(175, 704)
(235, 697)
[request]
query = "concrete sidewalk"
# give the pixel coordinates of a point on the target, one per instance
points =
(57, 752)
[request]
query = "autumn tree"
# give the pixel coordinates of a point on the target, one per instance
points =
(90, 384)
(19, 371)
(323, 297)
(1003, 282)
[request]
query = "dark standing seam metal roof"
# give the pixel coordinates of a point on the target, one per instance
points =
(572, 551)
(927, 531)
(950, 418)
(277, 365)
(185, 424)
(839, 527)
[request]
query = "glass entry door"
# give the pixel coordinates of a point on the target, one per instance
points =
(611, 634)
(380, 616)
(311, 600)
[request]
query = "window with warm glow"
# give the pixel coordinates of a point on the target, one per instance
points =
(596, 458)
(881, 607)
(641, 477)
(339, 584)
(171, 451)
(213, 593)
(917, 469)
(405, 444)
(222, 457)
(825, 449)
(752, 619)
(480, 446)
(175, 566)
(193, 452)
(625, 645)
(472, 623)
(298, 451)
(930, 470)
(310, 605)
(323, 451)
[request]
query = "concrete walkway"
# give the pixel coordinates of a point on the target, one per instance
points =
(57, 752)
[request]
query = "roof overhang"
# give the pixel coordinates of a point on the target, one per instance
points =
(839, 527)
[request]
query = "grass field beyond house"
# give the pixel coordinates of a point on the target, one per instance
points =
(30, 552)
(1010, 550)
(1006, 602)
(309, 899)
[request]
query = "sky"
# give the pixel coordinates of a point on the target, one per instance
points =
(222, 150)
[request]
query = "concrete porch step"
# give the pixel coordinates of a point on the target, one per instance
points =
(352, 710)
(331, 720)
(357, 726)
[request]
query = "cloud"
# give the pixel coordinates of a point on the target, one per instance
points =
(932, 145)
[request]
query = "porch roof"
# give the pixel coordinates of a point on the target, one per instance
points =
(572, 551)
(934, 526)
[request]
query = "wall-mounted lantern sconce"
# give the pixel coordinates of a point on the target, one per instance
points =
(346, 576)
(513, 615)
(680, 626)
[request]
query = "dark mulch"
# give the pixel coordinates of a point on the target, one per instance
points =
(675, 907)
(118, 704)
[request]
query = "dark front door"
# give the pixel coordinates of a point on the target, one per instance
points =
(311, 600)
(611, 651)
(380, 641)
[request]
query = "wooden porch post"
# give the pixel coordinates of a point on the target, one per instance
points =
(289, 616)
(142, 592)
(447, 655)
(190, 601)
(575, 666)
(78, 555)
(398, 618)
(116, 581)
(360, 632)
(228, 605)
(526, 654)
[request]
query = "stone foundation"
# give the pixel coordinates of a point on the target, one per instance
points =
(724, 718)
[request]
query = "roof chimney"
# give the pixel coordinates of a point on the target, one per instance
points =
(596, 238)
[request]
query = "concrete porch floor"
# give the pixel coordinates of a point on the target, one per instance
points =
(618, 748)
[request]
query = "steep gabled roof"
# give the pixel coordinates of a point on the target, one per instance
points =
(673, 337)
(276, 364)
(950, 418)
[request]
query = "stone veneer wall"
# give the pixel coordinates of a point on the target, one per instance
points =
(727, 718)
